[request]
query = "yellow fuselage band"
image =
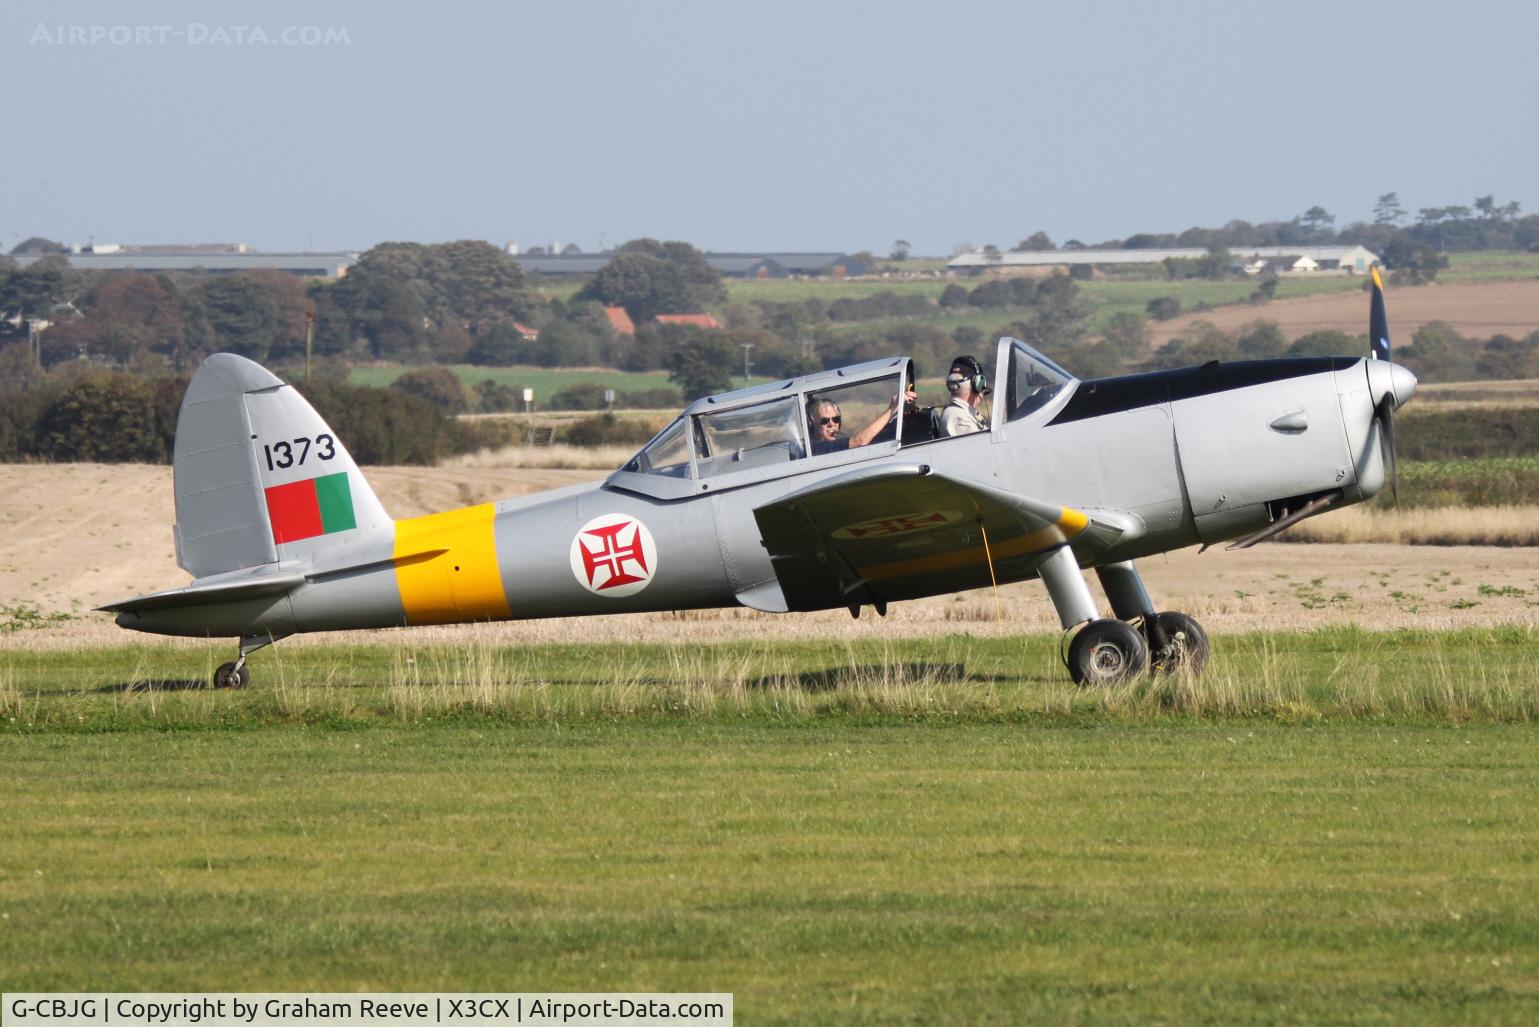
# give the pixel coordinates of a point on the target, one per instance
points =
(446, 567)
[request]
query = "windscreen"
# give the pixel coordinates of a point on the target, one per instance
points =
(667, 454)
(1034, 380)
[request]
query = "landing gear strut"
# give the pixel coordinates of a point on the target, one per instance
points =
(234, 674)
(1183, 645)
(1107, 651)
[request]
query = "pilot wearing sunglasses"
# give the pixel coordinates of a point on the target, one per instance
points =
(826, 425)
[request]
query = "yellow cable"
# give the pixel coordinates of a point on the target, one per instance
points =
(989, 555)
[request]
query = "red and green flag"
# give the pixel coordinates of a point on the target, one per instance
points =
(315, 506)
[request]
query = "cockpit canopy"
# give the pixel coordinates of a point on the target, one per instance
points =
(828, 417)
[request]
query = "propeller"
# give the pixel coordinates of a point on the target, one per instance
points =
(1385, 414)
(1384, 410)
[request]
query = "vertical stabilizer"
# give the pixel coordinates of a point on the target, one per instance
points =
(259, 475)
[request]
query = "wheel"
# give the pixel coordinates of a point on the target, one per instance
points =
(228, 677)
(1107, 652)
(1186, 645)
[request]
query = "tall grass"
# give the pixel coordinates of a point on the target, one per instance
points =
(1457, 676)
(1428, 526)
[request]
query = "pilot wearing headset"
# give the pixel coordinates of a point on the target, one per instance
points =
(967, 384)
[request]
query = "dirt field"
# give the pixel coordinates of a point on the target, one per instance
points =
(1474, 309)
(80, 535)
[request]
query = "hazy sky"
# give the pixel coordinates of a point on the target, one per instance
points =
(763, 126)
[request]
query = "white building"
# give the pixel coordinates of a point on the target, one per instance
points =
(1341, 259)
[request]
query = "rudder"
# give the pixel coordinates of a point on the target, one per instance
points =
(259, 476)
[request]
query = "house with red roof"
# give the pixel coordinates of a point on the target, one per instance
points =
(699, 320)
(619, 321)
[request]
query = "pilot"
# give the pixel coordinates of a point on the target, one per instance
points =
(967, 384)
(826, 424)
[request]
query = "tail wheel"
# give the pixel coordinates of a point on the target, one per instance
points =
(1184, 647)
(1107, 652)
(231, 676)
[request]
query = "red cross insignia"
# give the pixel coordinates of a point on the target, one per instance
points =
(901, 524)
(614, 555)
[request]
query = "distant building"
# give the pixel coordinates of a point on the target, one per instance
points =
(735, 265)
(620, 321)
(700, 320)
(525, 332)
(1342, 259)
(303, 265)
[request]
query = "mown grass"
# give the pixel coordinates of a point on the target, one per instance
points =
(1329, 827)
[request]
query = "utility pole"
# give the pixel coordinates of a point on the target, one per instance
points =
(309, 341)
(746, 347)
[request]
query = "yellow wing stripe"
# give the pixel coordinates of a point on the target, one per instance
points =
(1069, 524)
(446, 567)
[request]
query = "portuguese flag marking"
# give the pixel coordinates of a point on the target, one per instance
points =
(316, 506)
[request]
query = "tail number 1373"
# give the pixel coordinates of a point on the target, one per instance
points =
(293, 452)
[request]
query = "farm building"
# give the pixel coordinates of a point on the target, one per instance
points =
(699, 320)
(734, 265)
(1340, 259)
(166, 258)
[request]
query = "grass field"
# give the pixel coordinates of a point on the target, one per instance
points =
(1494, 266)
(1332, 827)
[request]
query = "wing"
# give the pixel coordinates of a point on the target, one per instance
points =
(881, 534)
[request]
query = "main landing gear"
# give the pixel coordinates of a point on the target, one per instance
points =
(235, 674)
(1109, 651)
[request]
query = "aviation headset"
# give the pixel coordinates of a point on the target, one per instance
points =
(977, 379)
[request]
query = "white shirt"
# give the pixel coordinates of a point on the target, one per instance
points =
(961, 418)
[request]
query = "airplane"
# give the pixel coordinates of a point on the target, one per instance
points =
(732, 505)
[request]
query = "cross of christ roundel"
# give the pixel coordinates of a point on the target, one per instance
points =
(614, 556)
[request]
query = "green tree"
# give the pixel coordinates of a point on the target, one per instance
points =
(1317, 220)
(437, 385)
(38, 245)
(1201, 343)
(1163, 308)
(1411, 261)
(648, 278)
(105, 417)
(701, 365)
(1327, 343)
(243, 316)
(401, 298)
(900, 250)
(1260, 339)
(1036, 242)
(953, 296)
(1387, 211)
(1126, 335)
(1439, 353)
(1059, 317)
(128, 315)
(32, 292)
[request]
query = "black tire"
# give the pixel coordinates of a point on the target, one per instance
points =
(1186, 645)
(228, 677)
(1107, 652)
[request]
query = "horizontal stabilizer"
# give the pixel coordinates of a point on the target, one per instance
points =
(222, 588)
